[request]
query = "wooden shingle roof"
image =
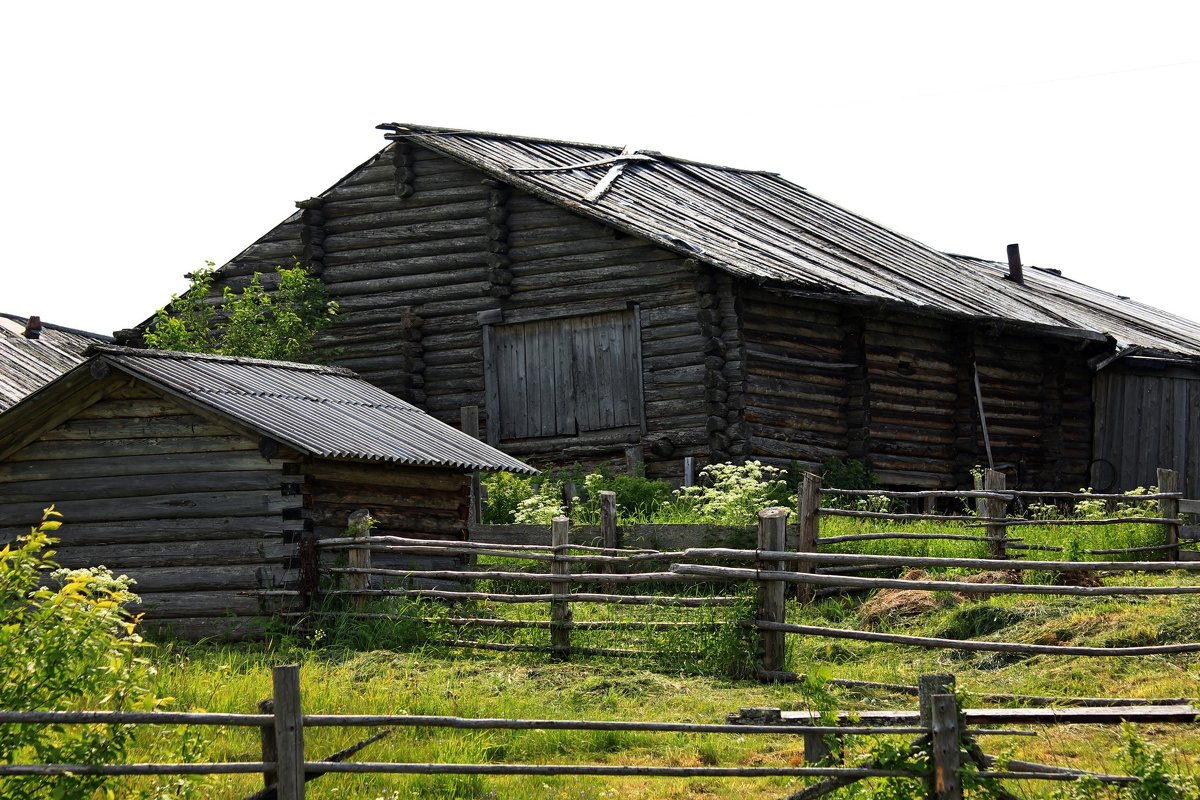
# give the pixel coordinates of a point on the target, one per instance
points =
(28, 364)
(761, 227)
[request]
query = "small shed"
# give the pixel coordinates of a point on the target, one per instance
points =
(200, 476)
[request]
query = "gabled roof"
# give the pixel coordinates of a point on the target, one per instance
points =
(28, 364)
(759, 226)
(326, 412)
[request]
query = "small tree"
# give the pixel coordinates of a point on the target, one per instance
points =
(66, 648)
(276, 324)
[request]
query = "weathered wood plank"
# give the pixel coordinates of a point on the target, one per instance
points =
(70, 488)
(170, 506)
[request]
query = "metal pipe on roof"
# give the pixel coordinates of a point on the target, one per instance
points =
(1016, 272)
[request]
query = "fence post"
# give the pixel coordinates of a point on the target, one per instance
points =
(360, 557)
(560, 610)
(1168, 481)
(689, 471)
(809, 526)
(993, 508)
(289, 733)
(772, 595)
(269, 753)
(469, 416)
(946, 752)
(927, 687)
(608, 526)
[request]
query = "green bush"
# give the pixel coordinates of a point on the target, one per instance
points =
(257, 323)
(73, 647)
(734, 493)
(505, 491)
(638, 497)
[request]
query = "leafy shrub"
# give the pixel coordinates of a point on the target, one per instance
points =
(638, 497)
(541, 507)
(66, 648)
(735, 493)
(257, 323)
(505, 491)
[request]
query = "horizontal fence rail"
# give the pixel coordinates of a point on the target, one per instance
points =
(943, 729)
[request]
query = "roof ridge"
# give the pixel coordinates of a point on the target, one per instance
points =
(177, 355)
(401, 129)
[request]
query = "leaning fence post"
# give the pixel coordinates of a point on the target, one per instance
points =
(469, 417)
(1168, 508)
(360, 557)
(289, 733)
(772, 594)
(560, 586)
(993, 508)
(608, 526)
(809, 527)
(946, 749)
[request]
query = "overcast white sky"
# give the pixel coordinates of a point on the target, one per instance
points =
(140, 139)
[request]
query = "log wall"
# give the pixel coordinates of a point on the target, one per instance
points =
(185, 506)
(898, 392)
(412, 502)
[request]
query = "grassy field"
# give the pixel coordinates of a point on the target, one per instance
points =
(687, 674)
(399, 667)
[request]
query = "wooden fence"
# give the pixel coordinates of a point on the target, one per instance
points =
(772, 567)
(947, 733)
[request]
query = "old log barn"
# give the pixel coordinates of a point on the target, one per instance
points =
(200, 476)
(603, 304)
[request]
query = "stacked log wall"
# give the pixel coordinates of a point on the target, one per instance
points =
(412, 502)
(186, 507)
(897, 391)
(797, 380)
(913, 398)
(1037, 401)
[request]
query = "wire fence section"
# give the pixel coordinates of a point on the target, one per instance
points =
(947, 738)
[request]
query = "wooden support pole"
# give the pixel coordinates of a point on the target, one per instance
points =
(946, 749)
(560, 610)
(809, 504)
(772, 531)
(360, 557)
(634, 460)
(689, 470)
(269, 752)
(927, 687)
(608, 525)
(1168, 481)
(289, 733)
(993, 508)
(469, 416)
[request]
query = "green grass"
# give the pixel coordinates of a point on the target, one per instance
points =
(398, 666)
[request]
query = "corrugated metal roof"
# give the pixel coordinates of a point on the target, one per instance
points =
(323, 411)
(27, 365)
(760, 226)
